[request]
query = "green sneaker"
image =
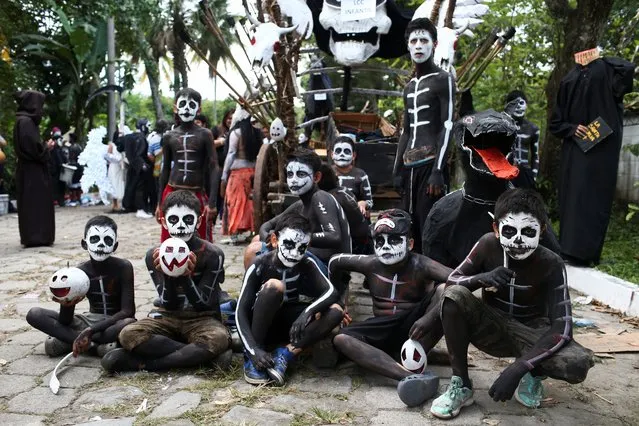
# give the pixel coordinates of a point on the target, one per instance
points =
(530, 391)
(449, 404)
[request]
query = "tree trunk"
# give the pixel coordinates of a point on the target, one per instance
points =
(153, 75)
(579, 29)
(180, 75)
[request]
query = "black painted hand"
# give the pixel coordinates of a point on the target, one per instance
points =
(507, 382)
(498, 277)
(435, 183)
(419, 329)
(262, 359)
(298, 326)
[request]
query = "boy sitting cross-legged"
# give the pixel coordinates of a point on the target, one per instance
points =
(269, 310)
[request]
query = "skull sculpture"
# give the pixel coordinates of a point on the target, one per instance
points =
(519, 234)
(277, 130)
(353, 42)
(67, 284)
(291, 246)
(187, 108)
(265, 41)
(101, 242)
(181, 222)
(174, 255)
(446, 47)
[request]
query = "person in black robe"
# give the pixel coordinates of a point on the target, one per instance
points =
(588, 179)
(36, 216)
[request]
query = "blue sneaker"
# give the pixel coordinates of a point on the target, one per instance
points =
(449, 404)
(530, 391)
(282, 357)
(252, 375)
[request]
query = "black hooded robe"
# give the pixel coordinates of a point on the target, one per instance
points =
(587, 180)
(36, 215)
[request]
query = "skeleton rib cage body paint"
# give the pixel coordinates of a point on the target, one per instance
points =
(357, 181)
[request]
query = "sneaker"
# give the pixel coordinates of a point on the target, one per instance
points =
(223, 360)
(143, 215)
(252, 375)
(530, 391)
(282, 357)
(56, 347)
(449, 404)
(416, 389)
(121, 360)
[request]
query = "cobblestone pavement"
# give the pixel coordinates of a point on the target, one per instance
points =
(346, 395)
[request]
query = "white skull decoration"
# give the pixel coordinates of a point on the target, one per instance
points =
(517, 107)
(187, 108)
(353, 42)
(291, 246)
(265, 41)
(174, 256)
(519, 234)
(67, 284)
(446, 46)
(299, 177)
(342, 154)
(181, 222)
(101, 242)
(391, 248)
(277, 130)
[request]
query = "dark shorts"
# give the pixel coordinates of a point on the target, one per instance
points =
(286, 315)
(389, 333)
(492, 332)
(204, 330)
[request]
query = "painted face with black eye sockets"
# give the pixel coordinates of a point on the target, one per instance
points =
(391, 248)
(100, 242)
(181, 222)
(299, 177)
(519, 234)
(517, 107)
(291, 246)
(342, 154)
(187, 108)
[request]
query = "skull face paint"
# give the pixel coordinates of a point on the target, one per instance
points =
(420, 46)
(181, 222)
(291, 246)
(299, 177)
(519, 234)
(100, 241)
(342, 154)
(517, 107)
(391, 248)
(187, 108)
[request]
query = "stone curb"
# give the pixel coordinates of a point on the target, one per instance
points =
(612, 291)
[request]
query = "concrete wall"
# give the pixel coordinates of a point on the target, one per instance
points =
(628, 172)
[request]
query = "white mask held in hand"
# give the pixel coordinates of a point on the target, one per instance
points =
(291, 246)
(390, 248)
(299, 177)
(342, 154)
(181, 222)
(519, 234)
(174, 256)
(187, 108)
(101, 242)
(68, 284)
(420, 46)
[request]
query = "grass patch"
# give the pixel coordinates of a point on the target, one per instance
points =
(620, 256)
(319, 416)
(119, 410)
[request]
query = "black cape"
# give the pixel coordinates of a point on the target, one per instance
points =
(587, 180)
(36, 217)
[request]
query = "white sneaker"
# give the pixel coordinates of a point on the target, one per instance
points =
(143, 215)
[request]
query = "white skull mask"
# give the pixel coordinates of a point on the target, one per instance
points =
(342, 154)
(291, 246)
(181, 222)
(299, 177)
(391, 248)
(420, 46)
(353, 42)
(277, 130)
(517, 107)
(187, 108)
(174, 255)
(519, 234)
(101, 242)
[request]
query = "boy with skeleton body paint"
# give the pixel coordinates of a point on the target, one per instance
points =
(422, 152)
(269, 310)
(189, 308)
(190, 160)
(406, 300)
(524, 312)
(349, 176)
(526, 147)
(110, 295)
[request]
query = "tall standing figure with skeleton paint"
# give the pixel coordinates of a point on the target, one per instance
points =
(420, 163)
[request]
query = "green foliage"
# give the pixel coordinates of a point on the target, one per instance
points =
(620, 256)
